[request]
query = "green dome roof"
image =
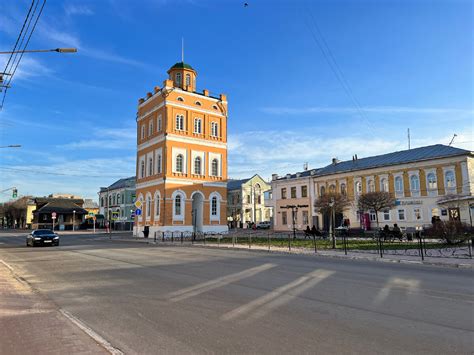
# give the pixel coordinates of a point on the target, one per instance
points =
(181, 65)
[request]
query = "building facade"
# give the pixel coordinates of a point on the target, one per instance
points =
(246, 202)
(182, 156)
(420, 179)
(116, 204)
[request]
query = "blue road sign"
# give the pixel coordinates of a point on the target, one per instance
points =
(138, 212)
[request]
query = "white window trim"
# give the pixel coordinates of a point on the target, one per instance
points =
(202, 155)
(216, 217)
(389, 216)
(214, 124)
(142, 162)
(179, 217)
(175, 153)
(158, 162)
(197, 119)
(211, 157)
(446, 187)
(180, 122)
(157, 200)
(148, 212)
(159, 123)
(402, 191)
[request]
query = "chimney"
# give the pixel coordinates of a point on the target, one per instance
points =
(274, 177)
(356, 157)
(205, 92)
(157, 88)
(148, 95)
(335, 161)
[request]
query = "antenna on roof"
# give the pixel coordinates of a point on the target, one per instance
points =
(452, 139)
(408, 138)
(182, 49)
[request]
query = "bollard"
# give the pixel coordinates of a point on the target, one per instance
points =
(289, 242)
(344, 242)
(181, 237)
(154, 237)
(172, 237)
(314, 242)
(162, 236)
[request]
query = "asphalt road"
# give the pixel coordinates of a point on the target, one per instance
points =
(148, 299)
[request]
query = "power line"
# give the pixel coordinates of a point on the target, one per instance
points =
(25, 46)
(338, 73)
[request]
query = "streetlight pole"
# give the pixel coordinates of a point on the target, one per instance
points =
(73, 219)
(59, 50)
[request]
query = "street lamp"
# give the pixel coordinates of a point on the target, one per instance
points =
(332, 218)
(73, 219)
(59, 50)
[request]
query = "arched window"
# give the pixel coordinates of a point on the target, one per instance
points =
(110, 200)
(371, 186)
(215, 167)
(178, 78)
(398, 184)
(159, 123)
(198, 103)
(157, 204)
(150, 166)
(188, 79)
(150, 128)
(177, 205)
(118, 199)
(143, 131)
(197, 165)
(101, 202)
(158, 163)
(414, 183)
(214, 107)
(180, 99)
(148, 206)
(214, 206)
(432, 183)
(343, 189)
(358, 188)
(113, 199)
(384, 185)
(142, 169)
(323, 190)
(332, 188)
(450, 181)
(179, 163)
(214, 129)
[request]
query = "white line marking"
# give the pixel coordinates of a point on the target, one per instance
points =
(7, 265)
(91, 333)
(219, 282)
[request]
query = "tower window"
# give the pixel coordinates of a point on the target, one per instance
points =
(198, 103)
(142, 169)
(158, 163)
(214, 129)
(179, 163)
(150, 166)
(180, 122)
(178, 78)
(450, 180)
(180, 99)
(158, 123)
(143, 132)
(214, 206)
(398, 184)
(215, 167)
(188, 79)
(150, 128)
(197, 125)
(197, 166)
(432, 184)
(177, 205)
(214, 107)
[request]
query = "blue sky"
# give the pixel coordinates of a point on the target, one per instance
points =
(407, 64)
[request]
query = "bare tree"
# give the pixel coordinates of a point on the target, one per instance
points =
(331, 203)
(376, 201)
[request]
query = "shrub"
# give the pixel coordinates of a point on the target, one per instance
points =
(451, 232)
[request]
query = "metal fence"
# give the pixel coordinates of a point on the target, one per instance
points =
(414, 244)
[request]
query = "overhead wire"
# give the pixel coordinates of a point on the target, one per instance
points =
(22, 51)
(334, 66)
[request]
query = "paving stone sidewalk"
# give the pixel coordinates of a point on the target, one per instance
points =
(30, 324)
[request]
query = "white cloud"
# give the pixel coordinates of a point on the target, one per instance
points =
(107, 138)
(281, 152)
(75, 9)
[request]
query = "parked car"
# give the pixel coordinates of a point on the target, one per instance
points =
(42, 237)
(263, 225)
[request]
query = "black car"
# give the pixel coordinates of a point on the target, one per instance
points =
(42, 237)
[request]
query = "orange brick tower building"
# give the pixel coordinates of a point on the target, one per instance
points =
(181, 157)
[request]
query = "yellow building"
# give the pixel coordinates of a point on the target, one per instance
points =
(181, 156)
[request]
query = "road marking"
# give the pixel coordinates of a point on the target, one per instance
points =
(276, 298)
(7, 265)
(219, 282)
(91, 333)
(411, 285)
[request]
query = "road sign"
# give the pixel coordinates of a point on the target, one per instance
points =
(91, 213)
(53, 215)
(138, 212)
(138, 204)
(115, 216)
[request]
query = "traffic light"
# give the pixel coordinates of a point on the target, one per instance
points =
(15, 193)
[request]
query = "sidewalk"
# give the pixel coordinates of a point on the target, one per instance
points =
(31, 324)
(353, 255)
